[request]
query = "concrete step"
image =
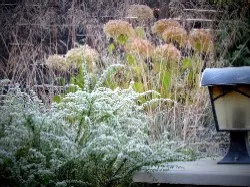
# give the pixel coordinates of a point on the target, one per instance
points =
(200, 172)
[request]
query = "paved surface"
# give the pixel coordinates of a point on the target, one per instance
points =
(201, 172)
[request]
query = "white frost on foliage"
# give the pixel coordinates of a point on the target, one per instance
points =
(102, 126)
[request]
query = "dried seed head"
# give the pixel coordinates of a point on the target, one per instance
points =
(57, 62)
(114, 28)
(163, 24)
(175, 34)
(75, 57)
(142, 12)
(140, 47)
(166, 52)
(201, 40)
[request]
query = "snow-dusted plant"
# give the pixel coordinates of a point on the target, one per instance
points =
(33, 144)
(93, 137)
(111, 132)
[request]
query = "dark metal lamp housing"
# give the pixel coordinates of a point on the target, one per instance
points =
(229, 90)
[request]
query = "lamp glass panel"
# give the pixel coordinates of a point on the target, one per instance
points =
(232, 108)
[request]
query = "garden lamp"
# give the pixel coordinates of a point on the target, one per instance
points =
(229, 90)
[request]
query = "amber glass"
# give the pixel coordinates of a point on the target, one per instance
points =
(232, 107)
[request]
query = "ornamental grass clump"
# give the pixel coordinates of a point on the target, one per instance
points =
(142, 12)
(160, 26)
(75, 57)
(175, 34)
(166, 53)
(140, 47)
(116, 28)
(201, 40)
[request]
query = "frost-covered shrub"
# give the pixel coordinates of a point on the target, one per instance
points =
(93, 137)
(32, 142)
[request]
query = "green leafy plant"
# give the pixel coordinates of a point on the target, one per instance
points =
(93, 137)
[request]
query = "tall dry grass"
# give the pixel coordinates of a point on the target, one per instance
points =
(31, 33)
